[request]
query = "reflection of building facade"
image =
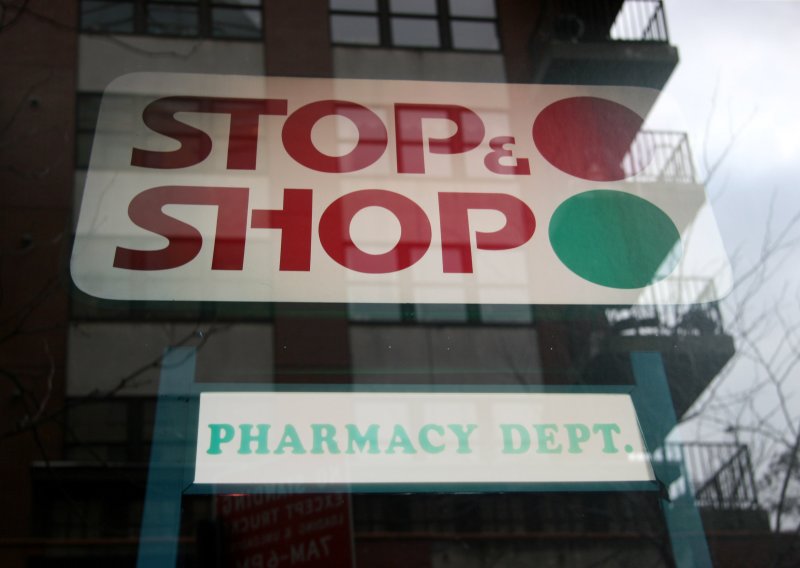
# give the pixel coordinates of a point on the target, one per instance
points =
(84, 426)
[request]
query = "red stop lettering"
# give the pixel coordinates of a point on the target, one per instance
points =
(410, 145)
(159, 115)
(372, 137)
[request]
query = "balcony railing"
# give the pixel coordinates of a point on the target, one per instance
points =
(721, 474)
(665, 153)
(695, 317)
(614, 20)
(640, 20)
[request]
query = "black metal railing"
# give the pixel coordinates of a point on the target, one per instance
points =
(615, 20)
(640, 20)
(721, 474)
(660, 156)
(683, 320)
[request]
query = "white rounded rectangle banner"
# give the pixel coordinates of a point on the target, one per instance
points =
(437, 438)
(230, 188)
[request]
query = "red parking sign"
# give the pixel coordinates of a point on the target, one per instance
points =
(287, 531)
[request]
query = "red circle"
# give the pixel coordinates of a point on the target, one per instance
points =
(587, 137)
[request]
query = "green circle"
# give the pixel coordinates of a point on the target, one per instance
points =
(615, 239)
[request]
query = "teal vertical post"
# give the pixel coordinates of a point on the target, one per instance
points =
(653, 403)
(169, 460)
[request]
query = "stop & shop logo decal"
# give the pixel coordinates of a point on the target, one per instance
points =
(277, 189)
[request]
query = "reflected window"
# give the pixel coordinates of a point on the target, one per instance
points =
(420, 7)
(471, 35)
(237, 21)
(232, 19)
(115, 430)
(355, 29)
(105, 16)
(172, 19)
(441, 313)
(465, 25)
(415, 32)
(88, 107)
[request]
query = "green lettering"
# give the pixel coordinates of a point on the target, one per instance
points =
(608, 439)
(425, 441)
(400, 439)
(260, 437)
(509, 447)
(290, 438)
(577, 434)
(462, 432)
(545, 434)
(324, 434)
(220, 434)
(358, 440)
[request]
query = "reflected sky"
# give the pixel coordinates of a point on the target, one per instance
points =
(735, 93)
(736, 84)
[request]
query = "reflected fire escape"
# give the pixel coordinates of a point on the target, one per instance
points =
(668, 155)
(690, 335)
(718, 477)
(608, 42)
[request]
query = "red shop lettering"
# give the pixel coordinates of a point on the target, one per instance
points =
(294, 222)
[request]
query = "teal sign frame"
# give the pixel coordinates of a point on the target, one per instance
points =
(172, 458)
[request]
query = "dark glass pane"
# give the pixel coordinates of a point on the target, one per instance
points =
(415, 32)
(427, 7)
(98, 16)
(493, 313)
(98, 422)
(355, 5)
(355, 29)
(374, 312)
(83, 149)
(172, 20)
(446, 313)
(88, 109)
(475, 35)
(233, 22)
(472, 8)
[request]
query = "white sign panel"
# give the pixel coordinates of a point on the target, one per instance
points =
(342, 438)
(227, 188)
